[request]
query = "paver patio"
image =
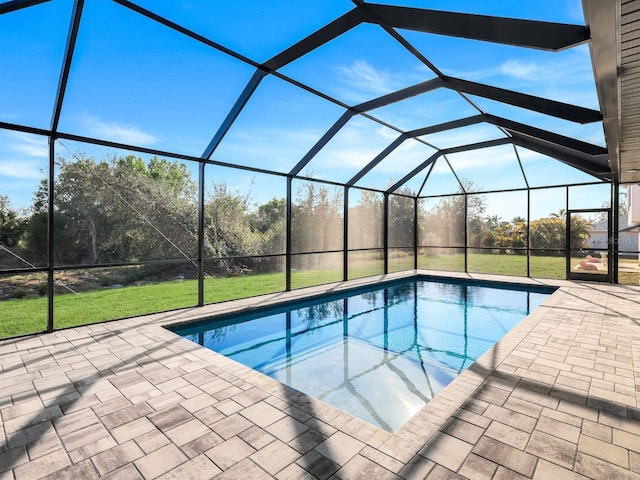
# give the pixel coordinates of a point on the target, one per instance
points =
(556, 398)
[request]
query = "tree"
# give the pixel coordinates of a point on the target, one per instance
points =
(366, 229)
(317, 218)
(270, 221)
(444, 224)
(12, 225)
(228, 231)
(401, 218)
(36, 232)
(548, 235)
(118, 210)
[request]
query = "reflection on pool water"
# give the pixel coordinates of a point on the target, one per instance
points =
(380, 355)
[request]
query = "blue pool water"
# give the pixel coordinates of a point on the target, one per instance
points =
(380, 354)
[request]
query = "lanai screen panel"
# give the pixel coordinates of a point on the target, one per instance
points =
(497, 233)
(547, 232)
(209, 111)
(153, 87)
(366, 233)
(26, 48)
(360, 65)
(257, 30)
(279, 124)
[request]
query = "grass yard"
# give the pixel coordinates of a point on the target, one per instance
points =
(29, 315)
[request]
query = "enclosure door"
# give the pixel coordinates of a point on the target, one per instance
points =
(589, 245)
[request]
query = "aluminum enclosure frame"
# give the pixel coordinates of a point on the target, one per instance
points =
(583, 156)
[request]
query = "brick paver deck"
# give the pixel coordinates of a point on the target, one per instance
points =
(557, 398)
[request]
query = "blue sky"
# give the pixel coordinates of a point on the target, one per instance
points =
(137, 82)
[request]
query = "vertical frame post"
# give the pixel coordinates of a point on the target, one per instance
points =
(528, 232)
(415, 233)
(385, 234)
(466, 233)
(614, 222)
(345, 242)
(201, 233)
(567, 239)
(51, 233)
(288, 236)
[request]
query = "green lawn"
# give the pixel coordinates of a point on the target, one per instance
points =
(542, 267)
(29, 315)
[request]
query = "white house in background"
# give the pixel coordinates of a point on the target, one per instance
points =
(628, 227)
(628, 235)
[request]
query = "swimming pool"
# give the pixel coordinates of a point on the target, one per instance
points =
(378, 353)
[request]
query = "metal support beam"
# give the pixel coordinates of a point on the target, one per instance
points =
(345, 239)
(528, 231)
(614, 253)
(327, 33)
(476, 146)
(381, 156)
(414, 172)
(385, 232)
(466, 233)
(400, 95)
(554, 108)
(595, 166)
(335, 128)
(201, 233)
(70, 46)
(185, 31)
(509, 31)
(14, 5)
(288, 213)
(442, 127)
(242, 100)
(546, 136)
(51, 233)
(426, 179)
(415, 233)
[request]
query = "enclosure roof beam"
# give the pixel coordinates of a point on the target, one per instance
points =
(400, 95)
(14, 5)
(70, 46)
(335, 128)
(185, 31)
(381, 156)
(476, 146)
(566, 111)
(341, 25)
(441, 127)
(510, 31)
(554, 108)
(561, 140)
(414, 172)
(596, 166)
(242, 100)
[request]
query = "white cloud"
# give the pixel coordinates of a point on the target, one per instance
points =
(364, 76)
(361, 81)
(22, 169)
(31, 145)
(277, 149)
(521, 70)
(128, 134)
